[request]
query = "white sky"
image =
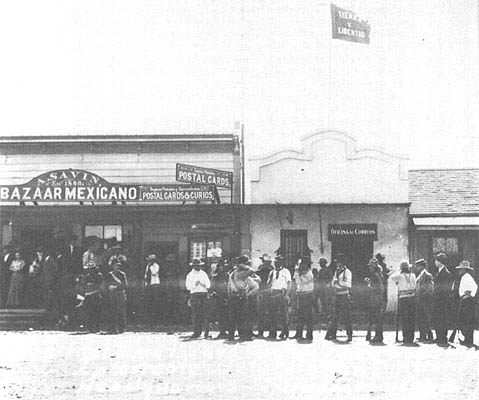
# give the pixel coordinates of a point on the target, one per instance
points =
(138, 66)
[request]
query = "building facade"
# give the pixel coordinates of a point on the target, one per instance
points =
(167, 195)
(445, 215)
(330, 197)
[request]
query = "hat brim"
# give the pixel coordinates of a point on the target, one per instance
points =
(200, 264)
(464, 267)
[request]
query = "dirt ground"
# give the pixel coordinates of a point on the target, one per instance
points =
(61, 365)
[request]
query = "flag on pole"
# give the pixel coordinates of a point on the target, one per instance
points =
(348, 26)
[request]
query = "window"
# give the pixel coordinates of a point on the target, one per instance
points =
(294, 244)
(450, 246)
(104, 231)
(207, 248)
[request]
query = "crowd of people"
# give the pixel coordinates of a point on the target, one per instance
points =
(89, 290)
(240, 298)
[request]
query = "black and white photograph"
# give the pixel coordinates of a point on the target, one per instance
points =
(249, 199)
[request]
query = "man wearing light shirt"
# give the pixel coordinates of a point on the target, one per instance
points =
(304, 278)
(280, 281)
(466, 312)
(198, 283)
(152, 288)
(341, 283)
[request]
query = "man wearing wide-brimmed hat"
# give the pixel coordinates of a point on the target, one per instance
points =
(198, 283)
(466, 291)
(376, 304)
(264, 293)
(280, 281)
(441, 300)
(341, 284)
(406, 283)
(424, 300)
(117, 283)
(90, 285)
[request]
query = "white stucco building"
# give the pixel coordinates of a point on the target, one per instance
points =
(330, 197)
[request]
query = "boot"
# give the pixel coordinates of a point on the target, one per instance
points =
(284, 335)
(368, 336)
(309, 336)
(299, 335)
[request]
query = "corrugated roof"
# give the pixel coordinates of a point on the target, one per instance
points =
(444, 191)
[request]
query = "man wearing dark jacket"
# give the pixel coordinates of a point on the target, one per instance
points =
(376, 301)
(424, 300)
(442, 290)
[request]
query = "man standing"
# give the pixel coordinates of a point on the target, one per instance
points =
(238, 287)
(219, 286)
(8, 255)
(376, 301)
(424, 300)
(323, 286)
(198, 283)
(304, 279)
(90, 295)
(442, 290)
(406, 282)
(280, 282)
(152, 290)
(341, 283)
(264, 294)
(467, 290)
(117, 284)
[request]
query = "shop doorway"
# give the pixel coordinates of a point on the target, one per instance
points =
(32, 238)
(161, 250)
(357, 251)
(294, 244)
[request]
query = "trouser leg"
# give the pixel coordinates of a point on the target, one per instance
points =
(466, 319)
(284, 317)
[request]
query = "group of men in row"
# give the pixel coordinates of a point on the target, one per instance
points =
(433, 301)
(234, 295)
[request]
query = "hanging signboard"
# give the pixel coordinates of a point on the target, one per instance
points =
(337, 231)
(348, 26)
(73, 185)
(204, 176)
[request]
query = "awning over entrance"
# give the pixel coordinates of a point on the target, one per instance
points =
(438, 223)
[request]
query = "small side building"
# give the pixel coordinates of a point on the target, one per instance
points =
(445, 215)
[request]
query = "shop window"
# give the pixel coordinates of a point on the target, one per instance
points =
(209, 249)
(448, 245)
(294, 243)
(105, 231)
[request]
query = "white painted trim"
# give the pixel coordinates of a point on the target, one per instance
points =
(307, 141)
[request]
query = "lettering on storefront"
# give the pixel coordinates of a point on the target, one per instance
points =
(78, 185)
(353, 230)
(203, 176)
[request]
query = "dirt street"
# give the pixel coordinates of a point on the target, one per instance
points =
(60, 365)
